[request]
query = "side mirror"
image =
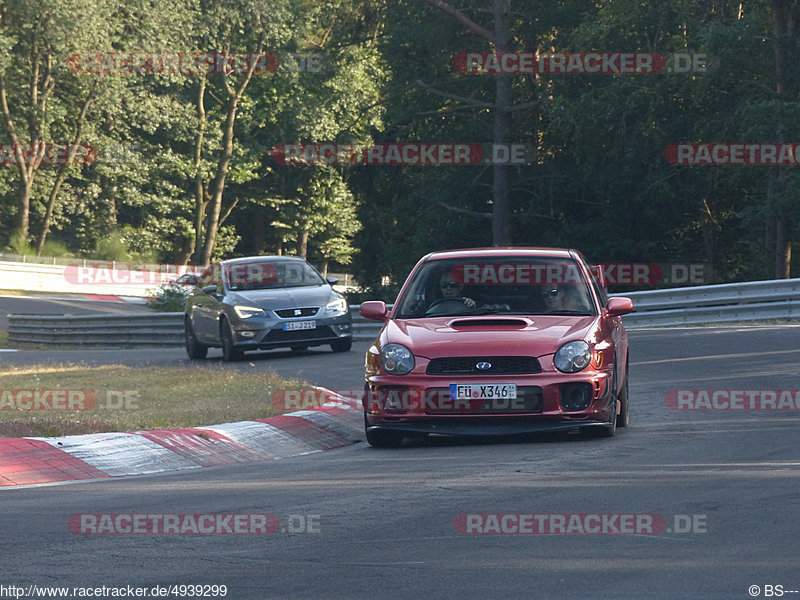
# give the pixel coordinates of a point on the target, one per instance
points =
(211, 290)
(619, 306)
(374, 309)
(332, 280)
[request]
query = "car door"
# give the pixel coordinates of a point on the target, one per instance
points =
(206, 306)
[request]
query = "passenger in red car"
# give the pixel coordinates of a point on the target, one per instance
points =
(564, 298)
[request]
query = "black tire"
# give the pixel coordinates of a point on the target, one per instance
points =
(194, 348)
(599, 431)
(607, 430)
(230, 353)
(342, 345)
(623, 418)
(382, 439)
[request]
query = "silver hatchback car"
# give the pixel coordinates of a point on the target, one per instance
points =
(263, 302)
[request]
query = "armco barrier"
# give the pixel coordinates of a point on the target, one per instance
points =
(725, 303)
(139, 329)
(733, 302)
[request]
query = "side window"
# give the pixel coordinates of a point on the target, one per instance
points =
(602, 295)
(205, 277)
(212, 276)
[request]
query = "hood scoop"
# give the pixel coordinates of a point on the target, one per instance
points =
(489, 322)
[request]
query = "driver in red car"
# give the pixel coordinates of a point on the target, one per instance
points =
(451, 290)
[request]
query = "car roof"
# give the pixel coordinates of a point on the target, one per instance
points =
(252, 259)
(503, 252)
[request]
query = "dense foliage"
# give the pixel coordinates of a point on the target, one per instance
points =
(184, 170)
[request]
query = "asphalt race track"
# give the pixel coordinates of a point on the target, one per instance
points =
(364, 523)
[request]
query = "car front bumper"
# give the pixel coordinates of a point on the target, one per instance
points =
(261, 334)
(541, 410)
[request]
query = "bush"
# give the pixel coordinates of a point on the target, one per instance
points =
(113, 247)
(17, 244)
(169, 298)
(55, 248)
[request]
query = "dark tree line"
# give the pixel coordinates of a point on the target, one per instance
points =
(185, 172)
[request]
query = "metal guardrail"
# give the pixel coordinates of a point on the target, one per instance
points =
(733, 302)
(725, 303)
(140, 329)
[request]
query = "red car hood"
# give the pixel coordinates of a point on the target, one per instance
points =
(494, 335)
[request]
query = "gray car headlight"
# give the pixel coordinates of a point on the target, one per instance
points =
(338, 306)
(245, 312)
(397, 359)
(573, 357)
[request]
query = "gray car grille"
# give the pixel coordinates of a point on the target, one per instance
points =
(289, 313)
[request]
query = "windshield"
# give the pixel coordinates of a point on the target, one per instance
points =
(270, 275)
(514, 285)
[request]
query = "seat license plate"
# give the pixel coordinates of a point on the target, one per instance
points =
(295, 325)
(485, 391)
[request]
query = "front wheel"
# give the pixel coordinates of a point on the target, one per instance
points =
(230, 352)
(342, 345)
(623, 418)
(382, 439)
(194, 348)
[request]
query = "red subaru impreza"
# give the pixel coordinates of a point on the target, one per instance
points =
(497, 341)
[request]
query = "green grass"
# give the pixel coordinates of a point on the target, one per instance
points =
(139, 398)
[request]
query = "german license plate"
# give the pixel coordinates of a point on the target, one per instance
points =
(295, 325)
(486, 391)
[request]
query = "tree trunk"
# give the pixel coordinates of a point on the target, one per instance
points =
(501, 221)
(783, 247)
(302, 244)
(200, 201)
(224, 163)
(709, 224)
(785, 25)
(503, 102)
(23, 202)
(62, 174)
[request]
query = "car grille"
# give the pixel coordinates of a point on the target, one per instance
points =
(278, 335)
(289, 313)
(467, 365)
(528, 400)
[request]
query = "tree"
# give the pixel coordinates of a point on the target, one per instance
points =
(43, 105)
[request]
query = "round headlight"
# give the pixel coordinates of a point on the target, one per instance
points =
(397, 359)
(573, 357)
